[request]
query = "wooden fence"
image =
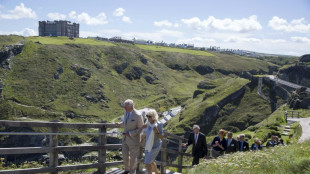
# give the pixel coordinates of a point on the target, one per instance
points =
(102, 147)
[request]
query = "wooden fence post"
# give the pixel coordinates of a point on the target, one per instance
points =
(53, 155)
(180, 155)
(163, 156)
(102, 154)
(140, 161)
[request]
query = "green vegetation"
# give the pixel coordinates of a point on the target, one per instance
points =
(280, 60)
(280, 159)
(66, 40)
(9, 40)
(86, 79)
(177, 50)
(195, 108)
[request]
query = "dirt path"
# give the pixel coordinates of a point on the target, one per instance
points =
(304, 123)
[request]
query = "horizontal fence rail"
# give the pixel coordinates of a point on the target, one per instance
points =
(53, 149)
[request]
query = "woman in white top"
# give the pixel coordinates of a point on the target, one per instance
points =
(154, 134)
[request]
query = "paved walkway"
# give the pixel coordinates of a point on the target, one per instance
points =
(304, 122)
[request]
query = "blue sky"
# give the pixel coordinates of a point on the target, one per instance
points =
(269, 26)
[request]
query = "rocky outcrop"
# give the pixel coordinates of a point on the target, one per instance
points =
(300, 99)
(298, 74)
(210, 114)
(60, 70)
(134, 74)
(143, 59)
(7, 53)
(120, 68)
(305, 58)
(203, 69)
(80, 71)
(205, 85)
(179, 67)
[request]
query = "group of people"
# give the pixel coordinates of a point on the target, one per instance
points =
(152, 129)
(221, 145)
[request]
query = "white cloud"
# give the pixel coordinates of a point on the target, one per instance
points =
(126, 19)
(19, 12)
(234, 39)
(164, 23)
(100, 19)
(176, 25)
(238, 25)
(56, 16)
(301, 40)
(72, 14)
(276, 40)
(119, 12)
(296, 25)
(24, 32)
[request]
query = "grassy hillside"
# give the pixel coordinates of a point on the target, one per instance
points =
(86, 79)
(195, 107)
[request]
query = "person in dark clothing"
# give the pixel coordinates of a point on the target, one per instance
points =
(256, 145)
(272, 142)
(232, 144)
(243, 145)
(199, 148)
(219, 144)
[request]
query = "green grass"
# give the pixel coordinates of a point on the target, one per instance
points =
(171, 49)
(66, 40)
(10, 40)
(280, 159)
(194, 108)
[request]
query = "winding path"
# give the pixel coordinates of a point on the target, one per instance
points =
(304, 122)
(283, 82)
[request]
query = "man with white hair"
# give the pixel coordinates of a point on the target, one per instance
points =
(243, 145)
(199, 149)
(131, 141)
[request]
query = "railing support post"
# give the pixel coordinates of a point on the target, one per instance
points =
(102, 154)
(53, 156)
(163, 156)
(180, 155)
(140, 160)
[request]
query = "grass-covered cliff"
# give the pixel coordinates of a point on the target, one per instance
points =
(87, 80)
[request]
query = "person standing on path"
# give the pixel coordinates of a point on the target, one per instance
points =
(153, 140)
(131, 140)
(199, 148)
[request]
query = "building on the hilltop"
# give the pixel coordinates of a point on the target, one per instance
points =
(139, 41)
(120, 39)
(59, 28)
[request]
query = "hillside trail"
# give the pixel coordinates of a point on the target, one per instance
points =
(283, 82)
(304, 123)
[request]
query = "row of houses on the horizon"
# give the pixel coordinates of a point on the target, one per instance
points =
(66, 28)
(183, 45)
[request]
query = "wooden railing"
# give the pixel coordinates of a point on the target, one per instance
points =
(102, 147)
